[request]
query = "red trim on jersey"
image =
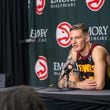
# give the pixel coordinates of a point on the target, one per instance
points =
(90, 52)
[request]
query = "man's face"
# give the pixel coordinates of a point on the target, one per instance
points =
(78, 39)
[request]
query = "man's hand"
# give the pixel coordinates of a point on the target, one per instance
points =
(73, 77)
(87, 84)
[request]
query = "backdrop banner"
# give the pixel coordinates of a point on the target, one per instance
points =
(49, 24)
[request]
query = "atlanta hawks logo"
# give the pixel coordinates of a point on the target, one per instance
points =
(95, 5)
(62, 34)
(40, 4)
(41, 68)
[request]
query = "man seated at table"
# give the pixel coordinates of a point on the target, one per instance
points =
(91, 59)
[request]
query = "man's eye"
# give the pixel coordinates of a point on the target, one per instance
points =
(71, 38)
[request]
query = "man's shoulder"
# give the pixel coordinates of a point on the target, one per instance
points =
(99, 51)
(100, 48)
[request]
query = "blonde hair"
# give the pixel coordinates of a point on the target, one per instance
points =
(81, 26)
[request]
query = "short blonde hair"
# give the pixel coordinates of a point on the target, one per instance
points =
(81, 26)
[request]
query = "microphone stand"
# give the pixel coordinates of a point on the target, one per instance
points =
(67, 77)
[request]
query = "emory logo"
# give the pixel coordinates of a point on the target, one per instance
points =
(41, 68)
(40, 4)
(95, 5)
(62, 34)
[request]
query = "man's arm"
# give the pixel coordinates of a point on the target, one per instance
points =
(62, 81)
(99, 58)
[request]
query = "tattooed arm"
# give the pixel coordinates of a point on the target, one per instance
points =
(63, 82)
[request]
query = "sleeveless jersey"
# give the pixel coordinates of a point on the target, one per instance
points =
(86, 65)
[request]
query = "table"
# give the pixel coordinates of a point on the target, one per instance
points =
(56, 99)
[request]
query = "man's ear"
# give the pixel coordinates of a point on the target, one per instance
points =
(87, 38)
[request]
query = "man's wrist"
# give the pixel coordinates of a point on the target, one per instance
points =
(75, 84)
(72, 84)
(78, 84)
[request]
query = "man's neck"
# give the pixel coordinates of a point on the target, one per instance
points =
(86, 50)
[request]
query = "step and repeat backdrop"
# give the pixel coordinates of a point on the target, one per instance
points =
(49, 24)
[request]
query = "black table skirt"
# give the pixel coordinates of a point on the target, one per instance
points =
(56, 99)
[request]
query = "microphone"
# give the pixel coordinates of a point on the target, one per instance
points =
(68, 68)
(27, 40)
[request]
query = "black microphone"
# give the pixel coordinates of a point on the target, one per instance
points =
(68, 68)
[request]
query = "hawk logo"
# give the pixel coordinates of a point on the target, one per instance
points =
(95, 5)
(41, 68)
(62, 34)
(40, 4)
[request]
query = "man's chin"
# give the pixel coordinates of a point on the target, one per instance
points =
(76, 49)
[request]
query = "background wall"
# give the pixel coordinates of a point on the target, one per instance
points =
(34, 41)
(49, 23)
